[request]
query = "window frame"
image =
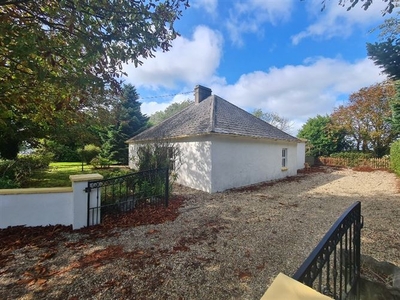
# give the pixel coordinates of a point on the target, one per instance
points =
(284, 157)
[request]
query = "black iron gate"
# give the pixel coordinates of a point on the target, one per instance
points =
(333, 268)
(125, 193)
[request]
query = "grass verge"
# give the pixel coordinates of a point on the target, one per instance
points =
(57, 175)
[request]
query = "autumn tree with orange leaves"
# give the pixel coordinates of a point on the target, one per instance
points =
(366, 118)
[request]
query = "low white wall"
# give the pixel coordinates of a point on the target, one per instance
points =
(35, 207)
(47, 206)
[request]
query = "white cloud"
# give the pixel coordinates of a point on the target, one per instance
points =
(298, 92)
(189, 60)
(249, 16)
(149, 108)
(209, 5)
(335, 20)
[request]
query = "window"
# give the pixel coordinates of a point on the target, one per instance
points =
(284, 157)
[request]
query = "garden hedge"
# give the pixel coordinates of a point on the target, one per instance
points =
(395, 157)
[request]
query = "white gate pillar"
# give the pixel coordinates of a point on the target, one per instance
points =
(80, 198)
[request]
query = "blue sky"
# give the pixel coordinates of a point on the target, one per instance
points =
(283, 56)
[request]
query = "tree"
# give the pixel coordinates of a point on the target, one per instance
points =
(171, 110)
(160, 154)
(88, 152)
(395, 108)
(365, 118)
(129, 116)
(386, 53)
(322, 138)
(112, 148)
(129, 121)
(274, 119)
(390, 28)
(366, 4)
(58, 57)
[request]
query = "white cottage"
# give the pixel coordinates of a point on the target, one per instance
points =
(223, 146)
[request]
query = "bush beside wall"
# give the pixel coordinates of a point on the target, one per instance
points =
(395, 157)
(13, 173)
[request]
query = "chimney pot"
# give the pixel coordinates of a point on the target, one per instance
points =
(201, 93)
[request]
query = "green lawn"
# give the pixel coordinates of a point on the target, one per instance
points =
(58, 174)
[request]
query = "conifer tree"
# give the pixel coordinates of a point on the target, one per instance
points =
(129, 121)
(395, 107)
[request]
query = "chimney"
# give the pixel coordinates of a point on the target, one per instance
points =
(201, 93)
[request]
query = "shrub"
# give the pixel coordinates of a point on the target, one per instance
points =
(351, 159)
(6, 183)
(25, 165)
(88, 153)
(352, 155)
(60, 152)
(158, 155)
(99, 162)
(6, 170)
(161, 154)
(395, 157)
(13, 173)
(116, 173)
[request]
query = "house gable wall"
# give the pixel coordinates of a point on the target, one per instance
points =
(301, 155)
(132, 157)
(243, 161)
(214, 163)
(194, 165)
(195, 169)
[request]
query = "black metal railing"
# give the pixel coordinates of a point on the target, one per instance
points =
(125, 193)
(333, 267)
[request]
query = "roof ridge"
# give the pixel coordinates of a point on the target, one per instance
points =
(214, 115)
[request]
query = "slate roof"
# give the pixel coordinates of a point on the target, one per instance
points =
(213, 115)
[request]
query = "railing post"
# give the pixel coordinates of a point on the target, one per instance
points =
(166, 187)
(340, 235)
(93, 203)
(358, 226)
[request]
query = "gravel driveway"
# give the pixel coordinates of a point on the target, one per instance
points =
(226, 245)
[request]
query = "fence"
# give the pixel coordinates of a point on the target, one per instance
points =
(333, 267)
(374, 163)
(125, 193)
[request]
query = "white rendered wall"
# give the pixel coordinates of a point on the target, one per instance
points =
(132, 156)
(301, 155)
(242, 161)
(195, 171)
(216, 163)
(48, 206)
(43, 207)
(193, 168)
